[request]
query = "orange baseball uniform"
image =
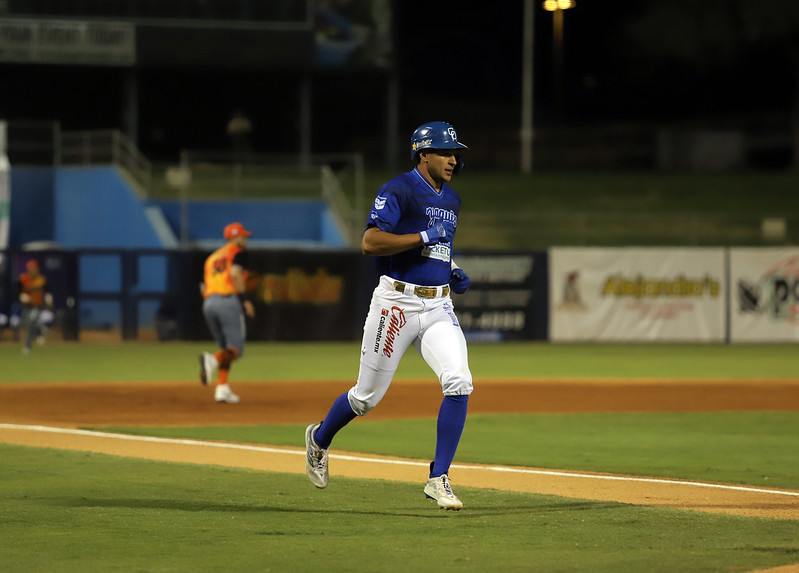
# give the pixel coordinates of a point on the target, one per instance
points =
(35, 287)
(217, 271)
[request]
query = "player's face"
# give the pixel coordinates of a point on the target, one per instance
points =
(440, 165)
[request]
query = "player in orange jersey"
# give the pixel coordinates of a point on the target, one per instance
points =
(35, 299)
(224, 306)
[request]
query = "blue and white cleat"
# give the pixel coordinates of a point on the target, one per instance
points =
(439, 489)
(315, 459)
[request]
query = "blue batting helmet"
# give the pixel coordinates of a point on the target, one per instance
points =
(435, 135)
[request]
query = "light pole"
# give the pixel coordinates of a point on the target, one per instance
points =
(557, 7)
(526, 132)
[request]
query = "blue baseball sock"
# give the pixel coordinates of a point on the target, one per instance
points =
(451, 419)
(340, 415)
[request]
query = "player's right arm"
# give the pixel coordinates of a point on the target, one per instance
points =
(381, 243)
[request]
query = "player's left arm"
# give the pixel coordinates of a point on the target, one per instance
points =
(47, 295)
(237, 277)
(458, 280)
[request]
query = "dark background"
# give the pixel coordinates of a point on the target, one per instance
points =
(648, 62)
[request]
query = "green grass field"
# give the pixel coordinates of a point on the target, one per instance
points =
(76, 511)
(65, 511)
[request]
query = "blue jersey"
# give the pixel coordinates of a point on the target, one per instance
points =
(409, 204)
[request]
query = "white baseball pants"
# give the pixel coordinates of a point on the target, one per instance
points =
(395, 321)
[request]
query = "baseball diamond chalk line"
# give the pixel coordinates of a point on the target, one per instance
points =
(394, 462)
(333, 456)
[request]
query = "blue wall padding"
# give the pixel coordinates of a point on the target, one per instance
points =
(330, 233)
(100, 273)
(90, 207)
(95, 207)
(268, 220)
(152, 274)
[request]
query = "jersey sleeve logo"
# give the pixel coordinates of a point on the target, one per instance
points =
(380, 202)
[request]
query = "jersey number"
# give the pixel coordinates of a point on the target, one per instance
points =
(220, 265)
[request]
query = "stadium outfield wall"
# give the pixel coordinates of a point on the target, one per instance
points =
(565, 295)
(93, 210)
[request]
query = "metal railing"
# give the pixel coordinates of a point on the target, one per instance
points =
(344, 213)
(101, 147)
(338, 179)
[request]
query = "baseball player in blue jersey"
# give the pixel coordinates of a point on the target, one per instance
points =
(410, 230)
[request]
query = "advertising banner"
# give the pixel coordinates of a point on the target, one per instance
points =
(43, 41)
(299, 295)
(764, 305)
(508, 296)
(637, 294)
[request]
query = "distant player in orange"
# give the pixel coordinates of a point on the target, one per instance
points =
(225, 303)
(35, 299)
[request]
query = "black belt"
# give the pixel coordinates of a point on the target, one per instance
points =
(422, 292)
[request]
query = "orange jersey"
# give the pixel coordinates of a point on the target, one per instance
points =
(217, 271)
(34, 287)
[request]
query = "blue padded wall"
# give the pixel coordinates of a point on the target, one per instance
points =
(269, 220)
(95, 207)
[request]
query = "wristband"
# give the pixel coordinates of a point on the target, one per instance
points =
(425, 237)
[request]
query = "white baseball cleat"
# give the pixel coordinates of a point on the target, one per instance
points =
(208, 364)
(315, 459)
(439, 489)
(224, 395)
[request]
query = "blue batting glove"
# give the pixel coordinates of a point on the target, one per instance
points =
(441, 232)
(459, 282)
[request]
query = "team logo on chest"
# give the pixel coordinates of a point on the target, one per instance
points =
(395, 317)
(436, 214)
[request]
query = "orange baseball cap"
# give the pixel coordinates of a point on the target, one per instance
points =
(236, 230)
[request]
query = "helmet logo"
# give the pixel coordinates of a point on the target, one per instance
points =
(452, 133)
(422, 144)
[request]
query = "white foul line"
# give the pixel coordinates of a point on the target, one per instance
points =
(502, 469)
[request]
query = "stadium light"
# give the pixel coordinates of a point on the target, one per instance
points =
(557, 7)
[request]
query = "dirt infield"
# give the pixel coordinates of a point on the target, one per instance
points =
(68, 406)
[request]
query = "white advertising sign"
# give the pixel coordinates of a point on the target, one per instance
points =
(764, 301)
(637, 294)
(43, 41)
